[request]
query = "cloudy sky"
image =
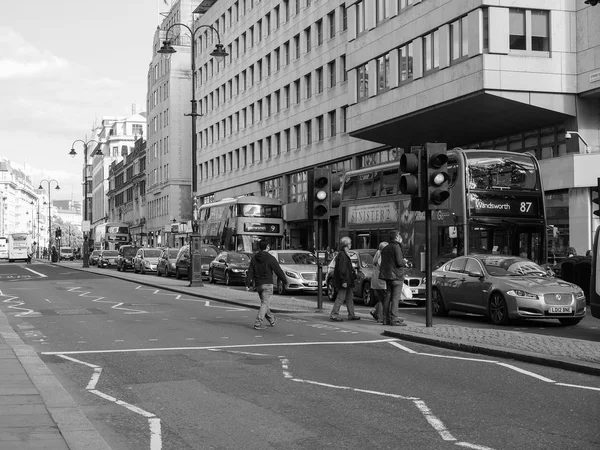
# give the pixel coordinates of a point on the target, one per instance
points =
(63, 65)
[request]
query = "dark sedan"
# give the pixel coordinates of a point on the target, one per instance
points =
(108, 258)
(229, 267)
(166, 262)
(503, 288)
(93, 259)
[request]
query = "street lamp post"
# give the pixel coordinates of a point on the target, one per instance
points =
(73, 153)
(219, 52)
(49, 212)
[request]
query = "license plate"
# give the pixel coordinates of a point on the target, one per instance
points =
(414, 291)
(561, 309)
(312, 283)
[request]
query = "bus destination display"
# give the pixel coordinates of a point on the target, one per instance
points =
(504, 205)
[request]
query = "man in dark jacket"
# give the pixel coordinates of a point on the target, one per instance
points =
(392, 271)
(343, 281)
(260, 273)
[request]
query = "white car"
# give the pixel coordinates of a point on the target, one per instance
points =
(300, 268)
(146, 260)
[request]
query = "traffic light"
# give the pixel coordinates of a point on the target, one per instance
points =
(319, 194)
(411, 177)
(437, 176)
(59, 232)
(596, 200)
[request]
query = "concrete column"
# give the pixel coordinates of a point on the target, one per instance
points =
(498, 31)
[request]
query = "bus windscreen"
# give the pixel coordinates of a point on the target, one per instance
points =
(511, 173)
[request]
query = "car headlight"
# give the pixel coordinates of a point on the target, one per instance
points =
(579, 295)
(172, 265)
(237, 270)
(146, 263)
(520, 293)
(291, 274)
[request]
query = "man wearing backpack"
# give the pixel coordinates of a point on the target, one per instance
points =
(260, 274)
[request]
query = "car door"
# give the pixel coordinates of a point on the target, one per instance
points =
(451, 281)
(470, 295)
(218, 265)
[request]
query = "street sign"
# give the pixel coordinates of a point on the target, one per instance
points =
(85, 226)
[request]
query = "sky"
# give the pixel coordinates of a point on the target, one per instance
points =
(64, 64)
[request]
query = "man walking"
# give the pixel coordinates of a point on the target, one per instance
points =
(392, 271)
(343, 281)
(260, 273)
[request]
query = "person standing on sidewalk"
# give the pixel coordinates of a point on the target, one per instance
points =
(343, 281)
(260, 274)
(392, 271)
(378, 286)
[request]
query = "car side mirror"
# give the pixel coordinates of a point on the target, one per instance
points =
(475, 274)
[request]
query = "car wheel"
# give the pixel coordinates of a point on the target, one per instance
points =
(227, 279)
(177, 274)
(331, 293)
(437, 304)
(280, 289)
(498, 309)
(366, 294)
(570, 321)
(211, 277)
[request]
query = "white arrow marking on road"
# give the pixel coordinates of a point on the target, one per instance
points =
(100, 299)
(13, 299)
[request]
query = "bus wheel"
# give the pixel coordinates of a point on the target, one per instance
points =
(437, 304)
(366, 294)
(498, 310)
(280, 288)
(331, 293)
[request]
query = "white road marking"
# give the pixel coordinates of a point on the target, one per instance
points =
(41, 275)
(436, 423)
(14, 303)
(526, 372)
(578, 386)
(473, 446)
(101, 299)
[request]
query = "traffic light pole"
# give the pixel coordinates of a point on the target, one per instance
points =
(317, 229)
(428, 270)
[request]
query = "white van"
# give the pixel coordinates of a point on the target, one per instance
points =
(66, 253)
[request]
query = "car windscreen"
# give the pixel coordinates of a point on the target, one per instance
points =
(239, 258)
(297, 258)
(172, 253)
(110, 254)
(129, 251)
(66, 250)
(152, 253)
(209, 251)
(512, 267)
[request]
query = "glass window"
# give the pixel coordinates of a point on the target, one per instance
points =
(406, 62)
(457, 265)
(389, 184)
(363, 82)
(473, 266)
(383, 73)
(365, 185)
(539, 31)
(517, 29)
(360, 17)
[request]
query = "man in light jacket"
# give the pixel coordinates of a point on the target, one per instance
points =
(260, 273)
(392, 271)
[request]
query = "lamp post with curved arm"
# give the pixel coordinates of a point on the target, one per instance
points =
(195, 274)
(49, 212)
(73, 153)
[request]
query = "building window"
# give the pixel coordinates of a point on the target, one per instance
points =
(383, 73)
(331, 20)
(343, 68)
(405, 3)
(272, 188)
(431, 51)
(286, 50)
(298, 187)
(308, 129)
(534, 37)
(344, 119)
(332, 124)
(381, 10)
(319, 26)
(308, 40)
(363, 82)
(298, 136)
(319, 72)
(297, 45)
(360, 17)
(406, 62)
(297, 89)
(332, 78)
(288, 139)
(459, 36)
(286, 95)
(278, 143)
(320, 128)
(308, 83)
(344, 12)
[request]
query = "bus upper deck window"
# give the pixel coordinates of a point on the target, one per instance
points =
(349, 189)
(390, 182)
(365, 185)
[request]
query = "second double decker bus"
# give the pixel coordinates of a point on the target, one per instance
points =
(496, 206)
(111, 235)
(239, 223)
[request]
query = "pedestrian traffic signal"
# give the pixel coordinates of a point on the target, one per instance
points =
(437, 176)
(596, 200)
(319, 194)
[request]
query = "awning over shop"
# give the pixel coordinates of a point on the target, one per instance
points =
(474, 118)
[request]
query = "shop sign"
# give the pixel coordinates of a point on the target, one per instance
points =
(371, 214)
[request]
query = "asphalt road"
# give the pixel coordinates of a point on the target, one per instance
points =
(156, 370)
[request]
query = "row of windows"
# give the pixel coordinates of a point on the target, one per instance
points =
(158, 175)
(158, 207)
(264, 149)
(271, 104)
(159, 148)
(382, 11)
(158, 95)
(161, 120)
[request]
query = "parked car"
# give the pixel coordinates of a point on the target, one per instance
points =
(166, 262)
(229, 267)
(125, 258)
(108, 258)
(146, 260)
(362, 261)
(93, 259)
(504, 288)
(300, 268)
(182, 264)
(66, 253)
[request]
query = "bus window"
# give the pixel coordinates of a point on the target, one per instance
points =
(365, 183)
(452, 170)
(376, 184)
(390, 182)
(349, 190)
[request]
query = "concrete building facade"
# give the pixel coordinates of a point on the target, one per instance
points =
(345, 84)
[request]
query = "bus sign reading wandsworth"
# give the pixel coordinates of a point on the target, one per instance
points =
(507, 205)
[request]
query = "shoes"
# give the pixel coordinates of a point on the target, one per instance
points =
(336, 319)
(272, 320)
(398, 324)
(374, 316)
(353, 318)
(260, 327)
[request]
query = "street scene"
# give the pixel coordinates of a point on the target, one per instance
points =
(300, 224)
